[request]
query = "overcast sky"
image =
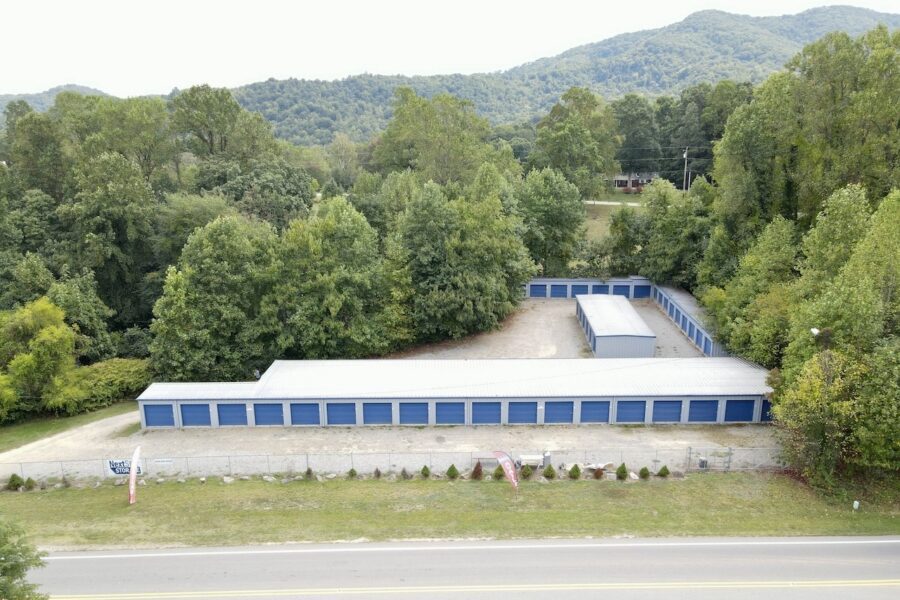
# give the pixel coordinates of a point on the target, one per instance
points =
(129, 48)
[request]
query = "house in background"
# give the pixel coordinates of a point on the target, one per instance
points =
(632, 181)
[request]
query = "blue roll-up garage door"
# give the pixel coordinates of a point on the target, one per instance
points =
(377, 413)
(707, 346)
(690, 330)
(703, 411)
(522, 412)
(666, 411)
(600, 289)
(621, 290)
(341, 413)
(232, 414)
(195, 415)
(414, 413)
(538, 290)
(766, 415)
(305, 414)
(268, 414)
(739, 410)
(159, 415)
(642, 291)
(594, 411)
(558, 412)
(579, 289)
(450, 413)
(485, 413)
(559, 291)
(698, 339)
(630, 411)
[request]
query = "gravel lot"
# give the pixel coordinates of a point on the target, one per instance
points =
(540, 329)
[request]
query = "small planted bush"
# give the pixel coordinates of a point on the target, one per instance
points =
(575, 472)
(30, 484)
(622, 472)
(452, 472)
(664, 472)
(549, 472)
(527, 472)
(598, 473)
(498, 473)
(15, 483)
(478, 471)
(376, 473)
(404, 474)
(426, 472)
(351, 474)
(309, 475)
(644, 473)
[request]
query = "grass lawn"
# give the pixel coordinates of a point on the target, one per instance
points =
(257, 512)
(19, 434)
(598, 219)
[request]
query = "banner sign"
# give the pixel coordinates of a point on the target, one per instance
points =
(132, 476)
(120, 467)
(509, 468)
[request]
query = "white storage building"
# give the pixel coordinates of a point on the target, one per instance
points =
(613, 328)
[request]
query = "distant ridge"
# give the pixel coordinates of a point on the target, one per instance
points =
(43, 100)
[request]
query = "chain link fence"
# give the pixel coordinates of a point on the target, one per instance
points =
(686, 459)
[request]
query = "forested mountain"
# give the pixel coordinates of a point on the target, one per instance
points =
(41, 101)
(705, 47)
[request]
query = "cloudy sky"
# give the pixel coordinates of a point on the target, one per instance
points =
(130, 48)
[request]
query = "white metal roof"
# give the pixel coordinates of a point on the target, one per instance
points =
(493, 378)
(687, 302)
(613, 316)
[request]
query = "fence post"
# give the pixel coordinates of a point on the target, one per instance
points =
(687, 466)
(230, 468)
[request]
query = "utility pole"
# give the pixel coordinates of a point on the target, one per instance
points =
(684, 179)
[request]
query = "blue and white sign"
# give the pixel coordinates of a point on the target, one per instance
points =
(120, 468)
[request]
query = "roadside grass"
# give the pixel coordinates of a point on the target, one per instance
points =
(250, 512)
(19, 434)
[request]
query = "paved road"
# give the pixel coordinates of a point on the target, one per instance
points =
(819, 568)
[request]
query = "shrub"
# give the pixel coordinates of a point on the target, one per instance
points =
(30, 484)
(622, 472)
(351, 474)
(426, 472)
(664, 472)
(549, 472)
(15, 483)
(499, 474)
(309, 474)
(575, 472)
(644, 473)
(376, 473)
(452, 472)
(598, 473)
(527, 471)
(404, 474)
(478, 471)
(100, 384)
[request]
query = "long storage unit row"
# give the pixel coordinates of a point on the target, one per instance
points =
(629, 287)
(683, 310)
(523, 411)
(469, 392)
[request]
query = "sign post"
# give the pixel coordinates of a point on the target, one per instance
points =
(132, 476)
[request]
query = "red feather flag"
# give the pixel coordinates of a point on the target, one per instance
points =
(509, 468)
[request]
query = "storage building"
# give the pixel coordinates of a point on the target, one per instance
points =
(634, 287)
(613, 328)
(682, 308)
(470, 392)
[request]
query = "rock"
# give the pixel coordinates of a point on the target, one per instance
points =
(59, 486)
(320, 478)
(488, 478)
(268, 478)
(632, 475)
(609, 476)
(97, 484)
(391, 477)
(330, 476)
(227, 479)
(203, 480)
(286, 480)
(180, 480)
(245, 478)
(117, 482)
(543, 479)
(160, 480)
(142, 482)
